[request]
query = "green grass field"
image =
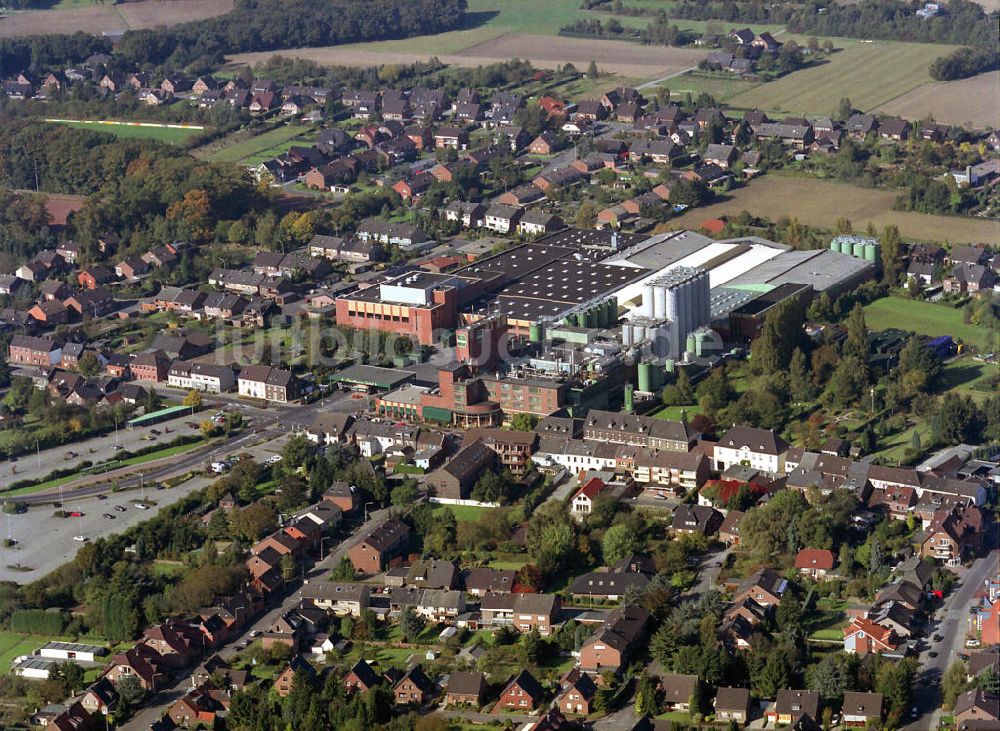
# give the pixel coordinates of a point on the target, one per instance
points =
(170, 135)
(256, 149)
(14, 644)
(721, 87)
(926, 318)
(869, 74)
(462, 512)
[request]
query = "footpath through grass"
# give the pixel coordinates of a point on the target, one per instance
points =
(125, 130)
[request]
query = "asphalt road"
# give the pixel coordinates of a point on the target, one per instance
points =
(162, 700)
(951, 622)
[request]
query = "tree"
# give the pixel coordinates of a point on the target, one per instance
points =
(844, 110)
(953, 684)
(780, 335)
(253, 521)
(645, 697)
(592, 71)
(344, 570)
(618, 542)
(800, 382)
(130, 690)
(88, 365)
(775, 675)
(288, 567)
(404, 494)
(857, 345)
(410, 625)
(533, 646)
(829, 678)
(295, 452)
(523, 422)
(73, 675)
(586, 215)
(119, 618)
(891, 255)
(192, 399)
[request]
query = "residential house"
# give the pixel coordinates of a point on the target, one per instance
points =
(547, 143)
(268, 383)
(862, 709)
(521, 695)
(977, 705)
(284, 683)
(863, 636)
(455, 480)
(695, 520)
(610, 647)
(764, 586)
(480, 581)
(577, 693)
(465, 689)
(582, 503)
(49, 314)
(729, 531)
(361, 677)
(456, 138)
(382, 542)
(733, 705)
(537, 223)
(414, 688)
(814, 563)
(762, 449)
(151, 365)
(791, 704)
(677, 691)
(469, 215)
(503, 218)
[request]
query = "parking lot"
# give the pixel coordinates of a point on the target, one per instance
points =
(45, 542)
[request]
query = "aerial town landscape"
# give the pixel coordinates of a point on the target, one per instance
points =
(456, 365)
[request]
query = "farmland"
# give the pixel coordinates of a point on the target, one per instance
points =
(254, 149)
(972, 101)
(70, 16)
(870, 74)
(925, 318)
(619, 57)
(821, 202)
(124, 130)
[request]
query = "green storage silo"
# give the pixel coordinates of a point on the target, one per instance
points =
(691, 343)
(629, 399)
(669, 366)
(535, 332)
(872, 254)
(646, 377)
(835, 245)
(859, 250)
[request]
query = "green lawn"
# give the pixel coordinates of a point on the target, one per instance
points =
(673, 413)
(170, 135)
(255, 149)
(512, 564)
(166, 568)
(721, 87)
(14, 644)
(462, 512)
(926, 318)
(869, 74)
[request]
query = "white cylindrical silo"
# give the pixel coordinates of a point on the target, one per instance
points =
(660, 298)
(673, 304)
(638, 333)
(626, 334)
(702, 315)
(689, 305)
(647, 299)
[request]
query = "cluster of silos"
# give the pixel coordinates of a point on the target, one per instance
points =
(680, 296)
(702, 343)
(602, 314)
(860, 247)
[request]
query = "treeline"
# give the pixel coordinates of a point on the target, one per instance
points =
(38, 622)
(264, 25)
(963, 63)
(47, 52)
(963, 22)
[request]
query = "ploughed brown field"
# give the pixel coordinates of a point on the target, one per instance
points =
(98, 19)
(619, 57)
(821, 202)
(974, 101)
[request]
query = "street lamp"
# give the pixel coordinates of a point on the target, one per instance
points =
(370, 502)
